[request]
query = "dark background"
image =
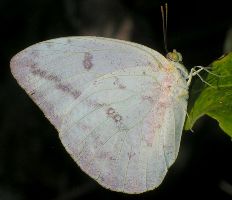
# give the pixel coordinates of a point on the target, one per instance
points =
(33, 162)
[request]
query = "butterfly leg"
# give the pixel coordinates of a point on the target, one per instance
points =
(194, 72)
(207, 69)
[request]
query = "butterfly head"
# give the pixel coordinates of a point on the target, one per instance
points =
(174, 56)
(176, 59)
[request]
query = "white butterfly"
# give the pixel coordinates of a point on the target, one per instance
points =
(119, 107)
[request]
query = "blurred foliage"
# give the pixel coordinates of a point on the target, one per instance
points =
(215, 100)
(228, 42)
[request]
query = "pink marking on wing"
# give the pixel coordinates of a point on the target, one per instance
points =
(153, 122)
(19, 62)
(149, 133)
(66, 88)
(87, 62)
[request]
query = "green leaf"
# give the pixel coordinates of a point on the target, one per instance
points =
(216, 100)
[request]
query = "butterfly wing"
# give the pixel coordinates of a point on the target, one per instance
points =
(119, 107)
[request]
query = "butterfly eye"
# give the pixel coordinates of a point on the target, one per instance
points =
(174, 56)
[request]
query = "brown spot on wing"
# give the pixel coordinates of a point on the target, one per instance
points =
(148, 98)
(114, 115)
(52, 77)
(33, 54)
(76, 93)
(130, 155)
(122, 86)
(87, 62)
(110, 112)
(118, 83)
(117, 118)
(85, 127)
(94, 103)
(106, 156)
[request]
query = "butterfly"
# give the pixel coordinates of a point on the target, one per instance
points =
(119, 107)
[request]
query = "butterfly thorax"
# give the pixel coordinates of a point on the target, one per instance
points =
(176, 59)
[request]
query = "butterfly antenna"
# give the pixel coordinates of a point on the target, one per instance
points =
(164, 13)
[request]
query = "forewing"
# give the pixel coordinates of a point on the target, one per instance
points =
(55, 72)
(102, 95)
